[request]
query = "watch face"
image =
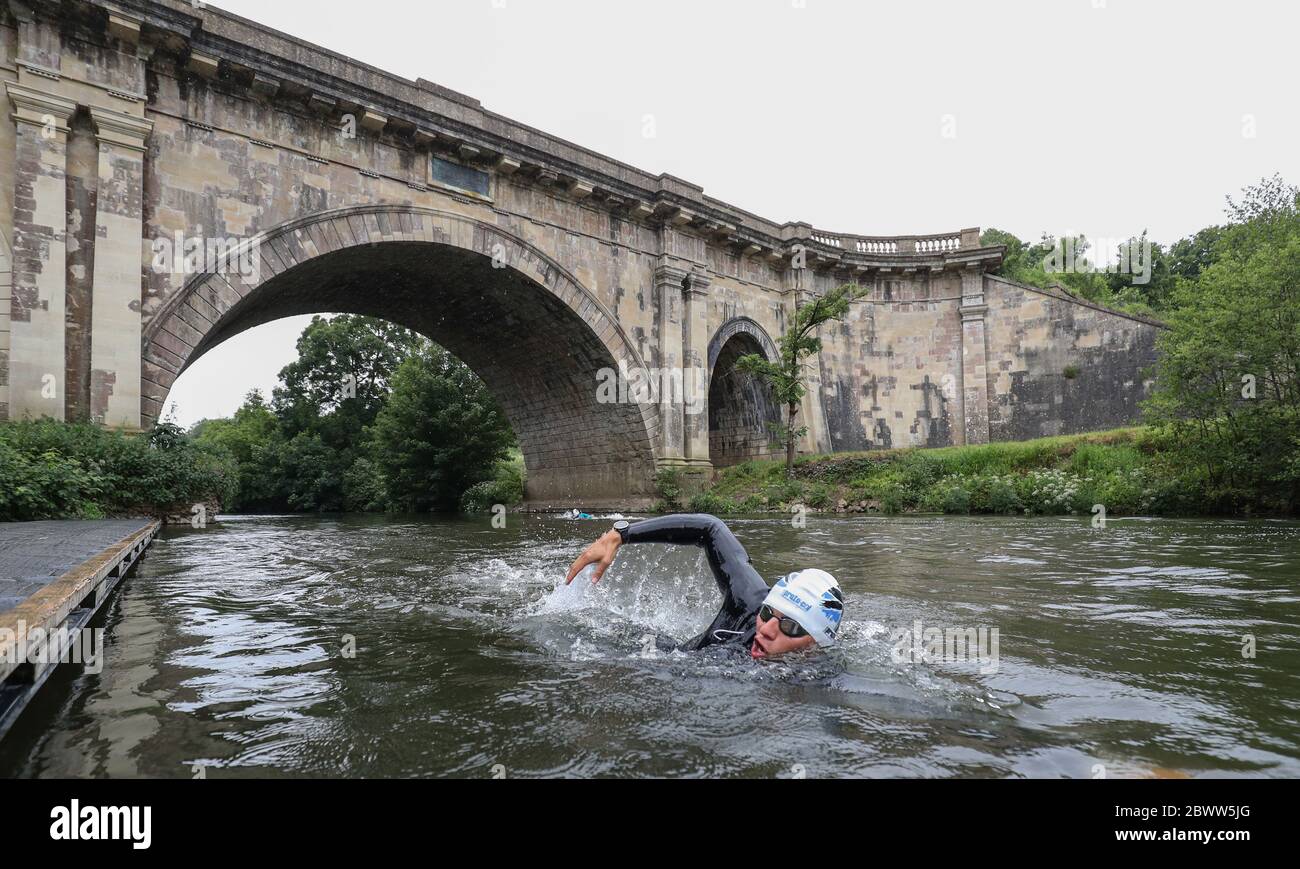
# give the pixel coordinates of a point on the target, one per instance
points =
(622, 526)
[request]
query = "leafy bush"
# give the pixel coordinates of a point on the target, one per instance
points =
(707, 502)
(506, 489)
(364, 490)
(45, 486)
(1052, 492)
(955, 499)
(55, 470)
(818, 496)
(784, 492)
(893, 500)
(668, 482)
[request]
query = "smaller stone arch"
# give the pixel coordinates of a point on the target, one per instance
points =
(742, 408)
(737, 326)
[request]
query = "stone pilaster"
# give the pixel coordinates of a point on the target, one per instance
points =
(669, 283)
(37, 305)
(695, 364)
(39, 42)
(6, 301)
(974, 359)
(115, 312)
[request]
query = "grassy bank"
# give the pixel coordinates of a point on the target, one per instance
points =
(1130, 471)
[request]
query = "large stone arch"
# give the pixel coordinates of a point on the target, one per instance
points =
(536, 336)
(741, 407)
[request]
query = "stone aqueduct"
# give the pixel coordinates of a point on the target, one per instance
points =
(534, 260)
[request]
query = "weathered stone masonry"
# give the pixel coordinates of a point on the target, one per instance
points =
(536, 261)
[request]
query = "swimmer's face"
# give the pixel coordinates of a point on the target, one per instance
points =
(769, 642)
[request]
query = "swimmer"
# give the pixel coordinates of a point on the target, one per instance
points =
(802, 609)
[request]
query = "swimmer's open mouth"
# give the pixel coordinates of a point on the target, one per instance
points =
(758, 651)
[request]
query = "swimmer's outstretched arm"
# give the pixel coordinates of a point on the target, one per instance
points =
(737, 579)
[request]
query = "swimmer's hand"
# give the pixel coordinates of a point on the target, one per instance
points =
(601, 553)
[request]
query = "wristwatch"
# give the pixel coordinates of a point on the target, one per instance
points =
(621, 526)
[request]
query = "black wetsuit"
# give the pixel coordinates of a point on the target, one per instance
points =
(743, 590)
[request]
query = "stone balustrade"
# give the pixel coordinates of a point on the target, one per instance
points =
(944, 242)
(962, 244)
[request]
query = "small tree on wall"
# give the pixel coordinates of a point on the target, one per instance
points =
(799, 342)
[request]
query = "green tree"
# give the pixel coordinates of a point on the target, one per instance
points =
(799, 342)
(1071, 263)
(253, 438)
(440, 433)
(1188, 257)
(340, 380)
(1229, 391)
(310, 474)
(1027, 263)
(327, 399)
(1146, 283)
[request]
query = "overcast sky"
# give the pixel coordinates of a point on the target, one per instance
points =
(1104, 117)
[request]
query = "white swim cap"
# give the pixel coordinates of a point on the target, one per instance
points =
(813, 599)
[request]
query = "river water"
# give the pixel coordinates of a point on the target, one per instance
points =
(381, 646)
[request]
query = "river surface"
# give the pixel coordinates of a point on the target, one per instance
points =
(383, 647)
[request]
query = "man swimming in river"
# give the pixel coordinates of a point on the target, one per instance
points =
(803, 608)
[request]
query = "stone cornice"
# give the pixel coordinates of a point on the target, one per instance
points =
(672, 275)
(36, 107)
(122, 130)
(175, 17)
(698, 285)
(438, 117)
